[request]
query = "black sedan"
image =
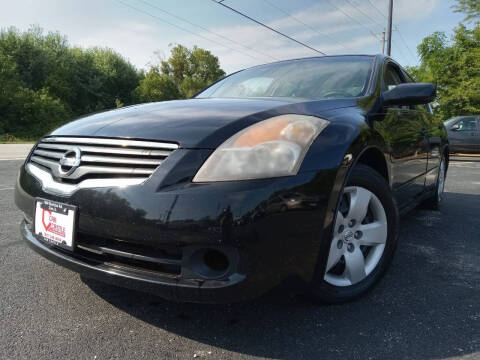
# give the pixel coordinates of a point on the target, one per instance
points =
(296, 170)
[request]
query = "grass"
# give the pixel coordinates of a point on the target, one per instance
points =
(10, 139)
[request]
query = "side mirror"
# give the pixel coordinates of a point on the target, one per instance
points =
(409, 94)
(455, 127)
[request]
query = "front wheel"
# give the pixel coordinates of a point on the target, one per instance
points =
(364, 238)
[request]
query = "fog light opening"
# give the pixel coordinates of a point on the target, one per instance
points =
(209, 263)
(216, 261)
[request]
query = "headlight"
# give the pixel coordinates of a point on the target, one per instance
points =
(271, 148)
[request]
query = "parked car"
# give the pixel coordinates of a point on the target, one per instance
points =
(172, 197)
(464, 134)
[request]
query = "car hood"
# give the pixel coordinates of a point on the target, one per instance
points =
(194, 123)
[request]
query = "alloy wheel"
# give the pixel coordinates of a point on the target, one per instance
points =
(359, 237)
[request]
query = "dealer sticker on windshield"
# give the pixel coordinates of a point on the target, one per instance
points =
(55, 223)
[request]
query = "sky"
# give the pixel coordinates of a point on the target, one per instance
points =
(143, 31)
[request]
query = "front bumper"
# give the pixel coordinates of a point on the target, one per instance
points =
(167, 287)
(269, 245)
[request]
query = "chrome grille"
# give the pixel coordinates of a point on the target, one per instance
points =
(77, 160)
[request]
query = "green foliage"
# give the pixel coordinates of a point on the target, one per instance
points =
(156, 87)
(35, 113)
(117, 77)
(28, 114)
(9, 80)
(180, 76)
(191, 70)
(471, 8)
(454, 66)
(7, 138)
(45, 82)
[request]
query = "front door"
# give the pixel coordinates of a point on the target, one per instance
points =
(406, 132)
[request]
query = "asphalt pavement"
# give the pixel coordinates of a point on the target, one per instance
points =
(14, 151)
(426, 307)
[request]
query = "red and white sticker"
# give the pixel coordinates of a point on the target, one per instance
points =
(55, 222)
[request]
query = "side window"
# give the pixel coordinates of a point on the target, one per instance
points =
(391, 77)
(467, 124)
(407, 77)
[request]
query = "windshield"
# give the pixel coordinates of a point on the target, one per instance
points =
(313, 78)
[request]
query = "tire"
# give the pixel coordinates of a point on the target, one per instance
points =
(374, 238)
(434, 202)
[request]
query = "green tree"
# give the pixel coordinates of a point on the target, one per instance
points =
(471, 8)
(177, 65)
(36, 112)
(10, 83)
(45, 81)
(191, 70)
(43, 71)
(454, 66)
(117, 77)
(156, 87)
(9, 78)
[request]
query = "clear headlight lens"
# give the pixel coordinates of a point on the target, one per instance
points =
(271, 148)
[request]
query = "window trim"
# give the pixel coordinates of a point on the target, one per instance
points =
(397, 67)
(476, 121)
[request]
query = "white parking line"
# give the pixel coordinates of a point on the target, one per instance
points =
(20, 158)
(9, 188)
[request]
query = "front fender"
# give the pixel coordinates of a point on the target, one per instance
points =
(339, 148)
